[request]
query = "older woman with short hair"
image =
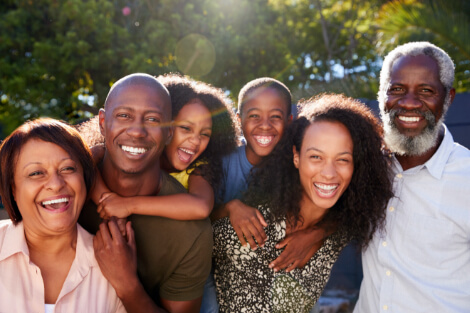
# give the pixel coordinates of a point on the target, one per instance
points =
(47, 262)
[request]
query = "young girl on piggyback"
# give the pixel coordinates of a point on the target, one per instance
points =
(203, 132)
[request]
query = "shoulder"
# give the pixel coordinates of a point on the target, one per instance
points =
(5, 225)
(170, 185)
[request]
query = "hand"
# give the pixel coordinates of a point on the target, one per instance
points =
(299, 248)
(248, 223)
(112, 204)
(116, 256)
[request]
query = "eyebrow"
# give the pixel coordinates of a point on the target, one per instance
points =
(39, 163)
(258, 109)
(133, 109)
(318, 150)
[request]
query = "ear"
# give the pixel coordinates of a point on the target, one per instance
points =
(296, 157)
(452, 95)
(239, 118)
(101, 122)
(289, 119)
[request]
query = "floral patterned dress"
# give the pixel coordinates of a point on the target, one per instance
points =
(245, 283)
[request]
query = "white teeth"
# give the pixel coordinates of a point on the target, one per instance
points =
(408, 119)
(187, 151)
(326, 189)
(55, 201)
(133, 150)
(264, 140)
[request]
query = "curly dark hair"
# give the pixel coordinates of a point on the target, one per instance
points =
(224, 136)
(360, 211)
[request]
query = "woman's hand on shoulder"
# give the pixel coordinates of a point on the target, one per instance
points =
(248, 223)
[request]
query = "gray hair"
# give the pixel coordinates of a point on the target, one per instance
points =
(444, 62)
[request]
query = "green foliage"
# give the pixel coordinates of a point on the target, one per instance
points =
(59, 58)
(444, 23)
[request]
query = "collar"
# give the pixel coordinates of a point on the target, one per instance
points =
(436, 164)
(15, 242)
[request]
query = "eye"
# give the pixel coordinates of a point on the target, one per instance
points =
(276, 117)
(122, 115)
(253, 116)
(68, 169)
(315, 157)
(208, 135)
(153, 119)
(35, 174)
(185, 128)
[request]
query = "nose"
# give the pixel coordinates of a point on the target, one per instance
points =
(265, 123)
(55, 182)
(329, 170)
(195, 139)
(137, 130)
(410, 101)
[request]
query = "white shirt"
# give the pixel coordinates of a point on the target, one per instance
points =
(422, 261)
(22, 288)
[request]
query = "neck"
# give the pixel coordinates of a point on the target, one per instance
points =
(50, 244)
(310, 214)
(410, 161)
(145, 183)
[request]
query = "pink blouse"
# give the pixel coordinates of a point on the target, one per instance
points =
(21, 286)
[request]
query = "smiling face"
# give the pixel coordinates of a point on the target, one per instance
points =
(49, 188)
(135, 127)
(414, 105)
(325, 164)
(192, 132)
(263, 120)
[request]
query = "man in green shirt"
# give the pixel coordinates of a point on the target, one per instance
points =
(173, 257)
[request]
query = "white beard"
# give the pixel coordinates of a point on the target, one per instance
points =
(412, 145)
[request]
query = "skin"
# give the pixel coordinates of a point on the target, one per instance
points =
(325, 164)
(263, 120)
(137, 116)
(193, 129)
(45, 172)
(414, 88)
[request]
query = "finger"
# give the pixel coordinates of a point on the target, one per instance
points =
(130, 236)
(261, 218)
(104, 196)
(259, 233)
(240, 236)
(97, 241)
(249, 237)
(105, 235)
(280, 261)
(283, 243)
(115, 232)
(292, 267)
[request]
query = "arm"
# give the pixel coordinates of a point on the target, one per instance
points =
(99, 187)
(247, 222)
(192, 306)
(117, 259)
(299, 247)
(194, 205)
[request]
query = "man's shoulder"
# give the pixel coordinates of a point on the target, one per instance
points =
(170, 185)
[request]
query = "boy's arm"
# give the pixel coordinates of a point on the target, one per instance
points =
(299, 247)
(191, 306)
(99, 188)
(247, 222)
(194, 205)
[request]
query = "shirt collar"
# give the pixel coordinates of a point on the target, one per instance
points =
(14, 241)
(436, 164)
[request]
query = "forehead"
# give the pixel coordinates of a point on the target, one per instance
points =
(140, 97)
(37, 150)
(193, 108)
(328, 133)
(265, 99)
(422, 67)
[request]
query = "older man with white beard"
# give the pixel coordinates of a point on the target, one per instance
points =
(421, 262)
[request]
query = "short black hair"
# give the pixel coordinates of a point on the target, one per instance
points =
(264, 83)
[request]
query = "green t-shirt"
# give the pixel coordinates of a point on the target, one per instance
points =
(174, 257)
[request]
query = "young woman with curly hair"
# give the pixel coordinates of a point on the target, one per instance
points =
(328, 170)
(203, 132)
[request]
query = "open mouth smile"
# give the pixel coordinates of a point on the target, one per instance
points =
(185, 154)
(326, 190)
(57, 205)
(264, 140)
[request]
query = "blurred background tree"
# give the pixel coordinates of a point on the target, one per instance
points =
(59, 58)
